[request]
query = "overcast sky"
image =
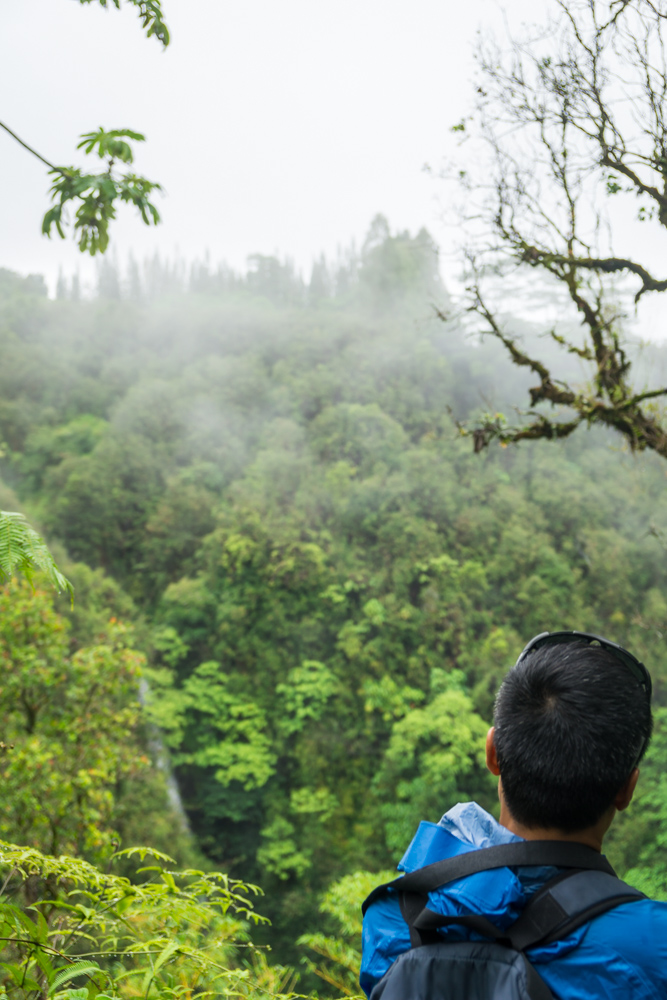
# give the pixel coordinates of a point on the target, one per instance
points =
(275, 126)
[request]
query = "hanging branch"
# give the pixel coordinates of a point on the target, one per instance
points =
(564, 142)
(150, 15)
(93, 196)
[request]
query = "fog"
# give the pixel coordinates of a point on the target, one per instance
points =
(274, 128)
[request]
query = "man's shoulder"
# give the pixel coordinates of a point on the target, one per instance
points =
(649, 914)
(636, 931)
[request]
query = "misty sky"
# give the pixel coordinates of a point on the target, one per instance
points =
(273, 126)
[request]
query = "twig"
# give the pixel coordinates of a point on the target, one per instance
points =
(34, 152)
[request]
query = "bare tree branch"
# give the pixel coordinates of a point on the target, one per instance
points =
(573, 118)
(608, 265)
(25, 145)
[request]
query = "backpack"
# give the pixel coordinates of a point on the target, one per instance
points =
(496, 968)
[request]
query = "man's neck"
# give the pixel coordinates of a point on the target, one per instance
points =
(592, 836)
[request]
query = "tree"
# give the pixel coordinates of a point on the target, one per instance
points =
(80, 765)
(573, 118)
(434, 755)
(70, 727)
(94, 195)
(393, 267)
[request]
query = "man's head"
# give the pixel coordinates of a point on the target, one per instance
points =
(571, 723)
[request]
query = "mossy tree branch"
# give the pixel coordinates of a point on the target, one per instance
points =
(567, 143)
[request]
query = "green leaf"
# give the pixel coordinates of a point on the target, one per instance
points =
(23, 550)
(150, 15)
(71, 972)
(43, 961)
(168, 879)
(130, 852)
(165, 955)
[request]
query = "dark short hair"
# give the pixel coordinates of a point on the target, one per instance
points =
(571, 723)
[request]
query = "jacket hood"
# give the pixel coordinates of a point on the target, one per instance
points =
(500, 894)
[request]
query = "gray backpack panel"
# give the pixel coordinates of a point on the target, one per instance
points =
(465, 970)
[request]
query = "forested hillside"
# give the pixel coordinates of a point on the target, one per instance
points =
(262, 479)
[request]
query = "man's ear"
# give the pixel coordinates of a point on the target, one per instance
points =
(624, 797)
(491, 756)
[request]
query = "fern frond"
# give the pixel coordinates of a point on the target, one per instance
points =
(23, 550)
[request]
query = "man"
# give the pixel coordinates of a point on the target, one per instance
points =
(572, 721)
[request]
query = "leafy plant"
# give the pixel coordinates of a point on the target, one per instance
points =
(96, 194)
(150, 15)
(71, 931)
(23, 550)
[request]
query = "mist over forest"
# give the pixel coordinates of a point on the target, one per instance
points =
(257, 487)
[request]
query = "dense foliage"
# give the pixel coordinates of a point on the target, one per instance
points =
(75, 751)
(326, 582)
(72, 932)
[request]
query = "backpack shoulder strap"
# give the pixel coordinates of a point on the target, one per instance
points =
(566, 903)
(560, 907)
(557, 853)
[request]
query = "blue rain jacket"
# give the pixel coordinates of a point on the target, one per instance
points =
(621, 955)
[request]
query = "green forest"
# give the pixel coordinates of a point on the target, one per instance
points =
(296, 587)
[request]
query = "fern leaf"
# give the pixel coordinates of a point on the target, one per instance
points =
(23, 550)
